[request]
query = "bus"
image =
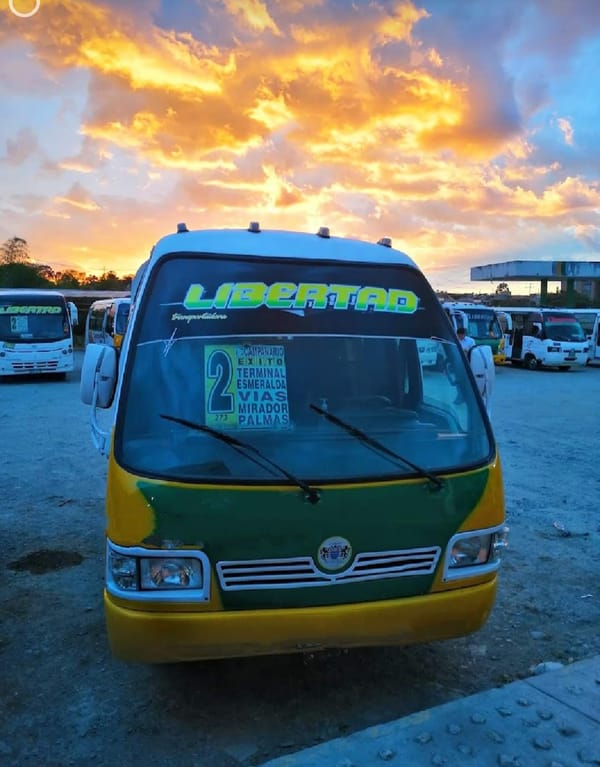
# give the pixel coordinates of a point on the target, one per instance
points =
(543, 338)
(589, 319)
(284, 475)
(106, 321)
(481, 323)
(36, 332)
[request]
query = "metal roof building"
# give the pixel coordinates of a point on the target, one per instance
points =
(580, 276)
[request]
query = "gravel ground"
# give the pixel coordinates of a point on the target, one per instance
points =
(64, 700)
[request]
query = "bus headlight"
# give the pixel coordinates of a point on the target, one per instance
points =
(474, 550)
(475, 553)
(170, 573)
(146, 574)
(123, 571)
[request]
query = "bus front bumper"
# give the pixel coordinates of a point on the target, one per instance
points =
(168, 637)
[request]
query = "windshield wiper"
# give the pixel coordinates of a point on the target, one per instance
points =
(376, 445)
(311, 494)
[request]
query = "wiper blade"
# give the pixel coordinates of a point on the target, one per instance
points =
(376, 445)
(245, 448)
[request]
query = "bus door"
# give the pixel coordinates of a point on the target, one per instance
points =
(506, 324)
(594, 339)
(516, 343)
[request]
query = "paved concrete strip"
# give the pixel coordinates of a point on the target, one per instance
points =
(551, 720)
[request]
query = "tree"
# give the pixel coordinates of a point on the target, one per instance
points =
(502, 289)
(68, 279)
(14, 251)
(23, 275)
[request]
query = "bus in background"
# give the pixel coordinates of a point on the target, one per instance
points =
(537, 337)
(36, 332)
(589, 319)
(106, 321)
(284, 474)
(481, 323)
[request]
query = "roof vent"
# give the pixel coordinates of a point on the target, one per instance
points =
(254, 227)
(385, 241)
(323, 232)
(182, 228)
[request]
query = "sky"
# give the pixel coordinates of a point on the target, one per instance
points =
(466, 131)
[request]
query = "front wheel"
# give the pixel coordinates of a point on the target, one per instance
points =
(531, 363)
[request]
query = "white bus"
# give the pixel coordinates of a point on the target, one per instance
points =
(106, 321)
(536, 337)
(589, 319)
(36, 332)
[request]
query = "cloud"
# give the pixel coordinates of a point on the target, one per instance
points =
(434, 121)
(78, 197)
(566, 129)
(21, 147)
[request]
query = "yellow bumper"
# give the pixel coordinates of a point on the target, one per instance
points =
(167, 637)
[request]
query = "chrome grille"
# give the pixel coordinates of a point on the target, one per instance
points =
(297, 572)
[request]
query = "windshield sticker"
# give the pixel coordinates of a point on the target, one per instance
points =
(246, 387)
(302, 295)
(30, 309)
(19, 324)
(204, 316)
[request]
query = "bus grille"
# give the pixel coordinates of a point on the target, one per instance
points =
(40, 367)
(298, 572)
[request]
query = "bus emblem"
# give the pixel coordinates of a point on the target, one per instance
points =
(334, 553)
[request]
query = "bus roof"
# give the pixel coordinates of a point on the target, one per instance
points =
(535, 309)
(466, 305)
(30, 292)
(278, 244)
(103, 302)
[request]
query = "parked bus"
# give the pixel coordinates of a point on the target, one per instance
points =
(36, 332)
(481, 323)
(106, 321)
(537, 337)
(284, 475)
(589, 319)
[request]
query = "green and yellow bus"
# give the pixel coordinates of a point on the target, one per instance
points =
(284, 474)
(481, 323)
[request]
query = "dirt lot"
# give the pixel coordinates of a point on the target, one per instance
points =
(64, 701)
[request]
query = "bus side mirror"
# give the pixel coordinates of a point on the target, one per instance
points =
(98, 375)
(73, 313)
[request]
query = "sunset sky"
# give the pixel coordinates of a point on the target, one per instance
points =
(467, 131)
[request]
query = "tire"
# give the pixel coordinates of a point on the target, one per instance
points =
(531, 363)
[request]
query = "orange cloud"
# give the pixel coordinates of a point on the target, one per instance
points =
(79, 198)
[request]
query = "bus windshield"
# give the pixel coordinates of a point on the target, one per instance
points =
(483, 324)
(31, 319)
(262, 350)
(562, 327)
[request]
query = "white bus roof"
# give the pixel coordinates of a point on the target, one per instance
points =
(536, 309)
(466, 305)
(30, 292)
(279, 244)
